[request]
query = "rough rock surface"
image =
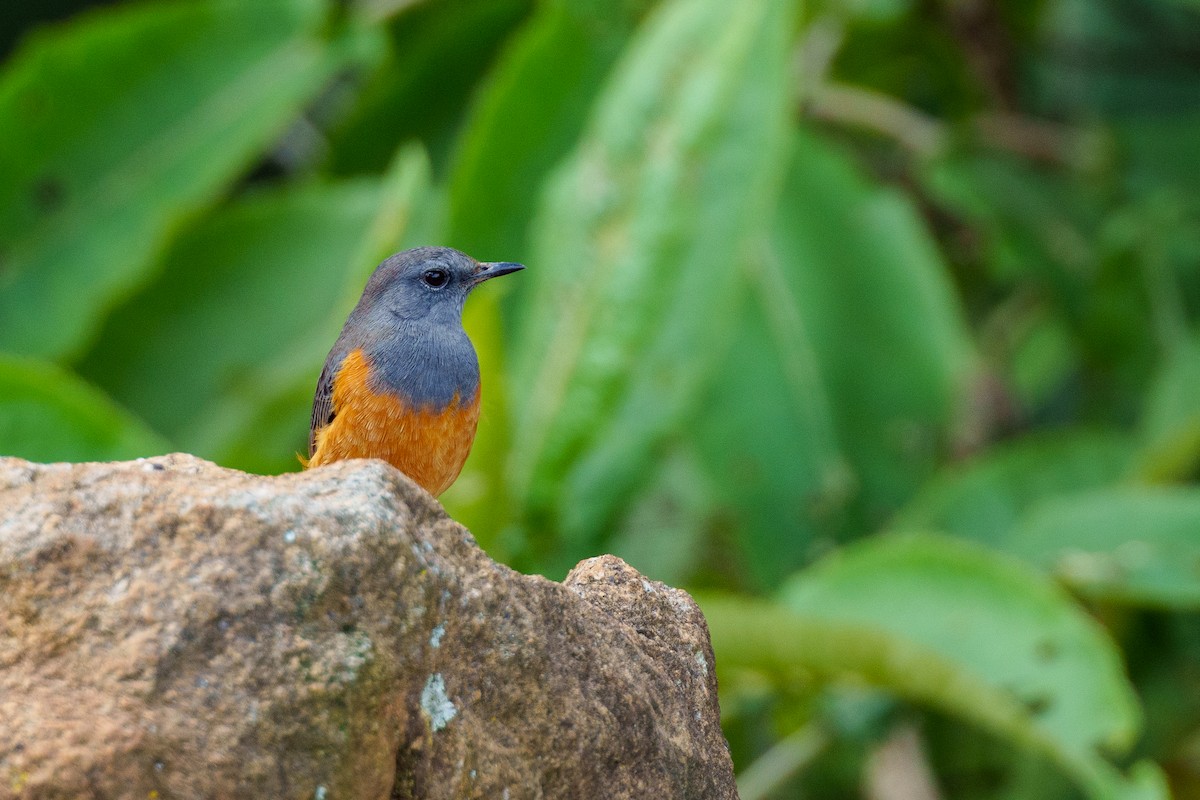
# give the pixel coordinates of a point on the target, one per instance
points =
(171, 629)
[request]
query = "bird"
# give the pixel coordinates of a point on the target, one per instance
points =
(401, 382)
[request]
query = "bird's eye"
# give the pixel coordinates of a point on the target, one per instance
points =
(435, 278)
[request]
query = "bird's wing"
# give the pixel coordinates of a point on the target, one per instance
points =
(322, 410)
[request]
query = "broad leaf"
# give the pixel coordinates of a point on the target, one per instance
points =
(663, 535)
(532, 111)
(438, 54)
(1170, 425)
(115, 127)
(240, 290)
(873, 296)
(767, 434)
(48, 414)
(1131, 545)
(971, 632)
(787, 645)
(992, 617)
(986, 498)
(638, 241)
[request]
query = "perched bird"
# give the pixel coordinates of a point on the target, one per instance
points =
(402, 381)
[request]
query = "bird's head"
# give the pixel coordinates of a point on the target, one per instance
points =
(428, 283)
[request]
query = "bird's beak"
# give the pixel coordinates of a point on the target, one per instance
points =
(494, 269)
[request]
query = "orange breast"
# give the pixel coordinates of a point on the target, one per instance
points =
(428, 446)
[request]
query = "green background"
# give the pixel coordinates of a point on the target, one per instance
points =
(873, 323)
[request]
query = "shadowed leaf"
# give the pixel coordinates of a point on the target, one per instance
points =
(114, 128)
(889, 339)
(636, 251)
(227, 274)
(533, 109)
(48, 414)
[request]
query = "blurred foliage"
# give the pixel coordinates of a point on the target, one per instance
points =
(874, 323)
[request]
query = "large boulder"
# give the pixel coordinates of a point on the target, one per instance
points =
(172, 629)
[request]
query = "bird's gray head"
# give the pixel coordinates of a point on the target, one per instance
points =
(428, 284)
(409, 323)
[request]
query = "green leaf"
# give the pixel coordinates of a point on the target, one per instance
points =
(48, 414)
(1160, 154)
(789, 645)
(963, 629)
(532, 110)
(241, 290)
(1080, 311)
(1170, 424)
(636, 250)
(767, 436)
(1130, 545)
(662, 536)
(116, 127)
(986, 498)
(992, 617)
(439, 51)
(874, 297)
(1042, 358)
(877, 12)
(1031, 222)
(1135, 65)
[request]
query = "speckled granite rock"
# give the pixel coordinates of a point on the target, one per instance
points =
(172, 629)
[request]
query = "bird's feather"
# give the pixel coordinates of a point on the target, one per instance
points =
(322, 412)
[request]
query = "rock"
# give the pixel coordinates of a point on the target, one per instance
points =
(171, 629)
